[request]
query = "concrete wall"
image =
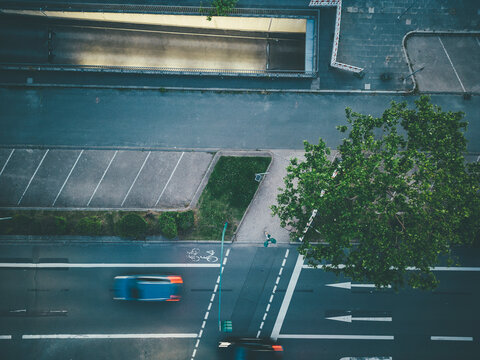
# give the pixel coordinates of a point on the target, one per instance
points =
(195, 21)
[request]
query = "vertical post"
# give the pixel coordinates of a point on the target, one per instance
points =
(220, 282)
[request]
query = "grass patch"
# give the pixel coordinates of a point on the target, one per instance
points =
(229, 191)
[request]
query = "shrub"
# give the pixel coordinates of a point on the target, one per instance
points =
(23, 224)
(52, 225)
(185, 220)
(90, 225)
(132, 226)
(167, 225)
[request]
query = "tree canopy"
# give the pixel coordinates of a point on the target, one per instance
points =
(397, 194)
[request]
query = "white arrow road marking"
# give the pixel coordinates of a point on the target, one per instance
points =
(349, 285)
(350, 318)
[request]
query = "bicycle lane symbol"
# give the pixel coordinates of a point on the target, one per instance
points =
(194, 255)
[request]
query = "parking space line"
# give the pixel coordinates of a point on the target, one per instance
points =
(453, 67)
(6, 162)
(35, 173)
(94, 191)
(136, 177)
(170, 178)
(111, 336)
(68, 177)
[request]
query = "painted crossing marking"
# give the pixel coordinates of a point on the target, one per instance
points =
(111, 336)
(273, 293)
(287, 298)
(335, 337)
(451, 338)
(31, 179)
(102, 265)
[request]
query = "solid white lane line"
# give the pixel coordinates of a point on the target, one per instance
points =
(136, 177)
(68, 177)
(451, 338)
(5, 337)
(111, 336)
(410, 268)
(335, 337)
(287, 298)
(35, 173)
(170, 178)
(104, 265)
(453, 67)
(101, 179)
(6, 162)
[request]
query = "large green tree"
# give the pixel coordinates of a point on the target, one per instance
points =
(398, 194)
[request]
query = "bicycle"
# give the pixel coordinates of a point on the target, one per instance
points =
(195, 257)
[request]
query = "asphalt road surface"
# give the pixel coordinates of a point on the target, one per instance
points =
(57, 301)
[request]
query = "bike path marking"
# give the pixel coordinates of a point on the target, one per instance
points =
(103, 265)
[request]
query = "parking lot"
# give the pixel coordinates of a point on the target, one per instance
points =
(99, 179)
(451, 63)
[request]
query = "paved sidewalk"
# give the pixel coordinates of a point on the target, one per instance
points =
(259, 216)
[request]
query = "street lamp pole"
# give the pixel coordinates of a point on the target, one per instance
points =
(220, 282)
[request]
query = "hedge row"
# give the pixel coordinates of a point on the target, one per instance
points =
(131, 225)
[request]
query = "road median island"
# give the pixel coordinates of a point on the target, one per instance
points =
(230, 188)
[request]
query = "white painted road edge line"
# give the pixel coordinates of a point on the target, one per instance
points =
(68, 177)
(170, 178)
(451, 338)
(111, 336)
(336, 337)
(5, 337)
(35, 173)
(288, 297)
(101, 179)
(136, 177)
(103, 265)
(6, 162)
(410, 268)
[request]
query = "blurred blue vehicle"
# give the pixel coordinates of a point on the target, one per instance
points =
(148, 287)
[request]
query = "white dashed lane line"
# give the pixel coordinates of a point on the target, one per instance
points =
(273, 293)
(205, 318)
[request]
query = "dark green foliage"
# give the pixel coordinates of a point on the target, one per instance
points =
(213, 214)
(53, 225)
(89, 225)
(168, 225)
(234, 179)
(401, 196)
(185, 220)
(220, 8)
(132, 226)
(23, 224)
